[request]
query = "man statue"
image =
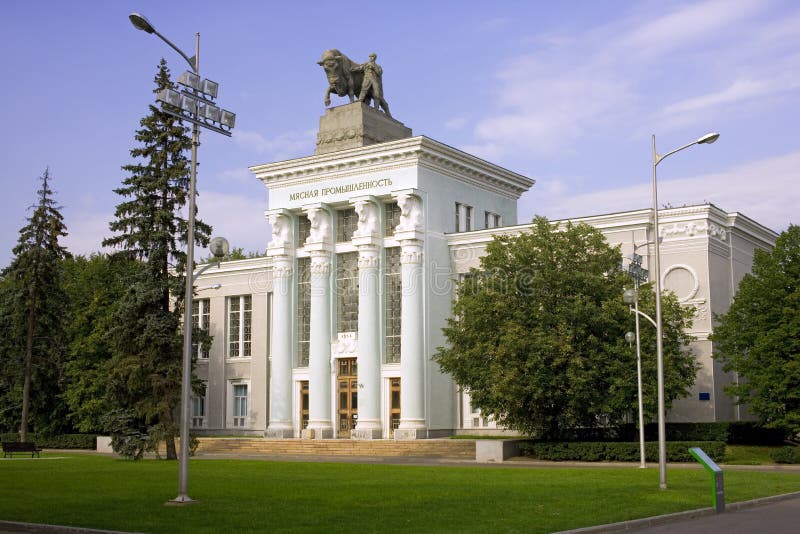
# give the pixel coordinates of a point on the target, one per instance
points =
(372, 86)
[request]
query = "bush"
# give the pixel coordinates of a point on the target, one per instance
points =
(58, 441)
(677, 451)
(786, 455)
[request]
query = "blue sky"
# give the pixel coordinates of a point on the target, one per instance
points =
(567, 93)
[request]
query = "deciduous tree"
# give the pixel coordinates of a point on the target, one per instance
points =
(759, 336)
(537, 334)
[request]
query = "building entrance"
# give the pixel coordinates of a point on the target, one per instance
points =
(304, 404)
(347, 387)
(394, 405)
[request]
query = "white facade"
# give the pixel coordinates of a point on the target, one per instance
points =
(346, 310)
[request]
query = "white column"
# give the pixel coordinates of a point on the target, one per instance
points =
(319, 383)
(412, 346)
(413, 424)
(281, 250)
(368, 238)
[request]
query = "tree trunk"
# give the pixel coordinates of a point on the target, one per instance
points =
(169, 437)
(26, 384)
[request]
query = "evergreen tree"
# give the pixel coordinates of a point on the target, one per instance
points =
(33, 304)
(146, 341)
(537, 334)
(95, 287)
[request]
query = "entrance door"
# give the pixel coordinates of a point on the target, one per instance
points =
(347, 387)
(303, 404)
(394, 405)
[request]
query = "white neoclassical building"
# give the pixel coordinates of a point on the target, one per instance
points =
(331, 335)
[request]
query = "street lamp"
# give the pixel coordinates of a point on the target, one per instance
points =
(662, 443)
(638, 274)
(193, 107)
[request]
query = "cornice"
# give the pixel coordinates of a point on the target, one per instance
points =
(415, 151)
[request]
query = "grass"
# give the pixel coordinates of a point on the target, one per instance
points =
(242, 495)
(749, 455)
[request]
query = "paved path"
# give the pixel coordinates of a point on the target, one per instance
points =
(773, 515)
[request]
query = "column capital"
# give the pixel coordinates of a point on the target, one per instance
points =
(282, 243)
(411, 225)
(320, 236)
(369, 220)
(282, 266)
(320, 261)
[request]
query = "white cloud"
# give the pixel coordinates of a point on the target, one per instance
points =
(750, 189)
(283, 146)
(686, 26)
(238, 218)
(87, 230)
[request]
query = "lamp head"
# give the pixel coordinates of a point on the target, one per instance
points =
(141, 23)
(218, 247)
(629, 296)
(630, 337)
(708, 138)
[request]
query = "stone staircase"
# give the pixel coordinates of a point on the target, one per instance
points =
(424, 448)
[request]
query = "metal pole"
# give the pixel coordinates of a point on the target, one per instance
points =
(662, 443)
(186, 379)
(642, 463)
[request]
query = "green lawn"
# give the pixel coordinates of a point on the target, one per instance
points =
(242, 495)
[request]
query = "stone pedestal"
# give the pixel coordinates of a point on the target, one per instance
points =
(356, 125)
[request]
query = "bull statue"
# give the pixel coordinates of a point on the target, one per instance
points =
(344, 78)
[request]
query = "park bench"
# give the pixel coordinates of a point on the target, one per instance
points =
(10, 447)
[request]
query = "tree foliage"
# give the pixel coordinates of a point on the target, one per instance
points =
(759, 337)
(95, 286)
(33, 303)
(537, 334)
(145, 339)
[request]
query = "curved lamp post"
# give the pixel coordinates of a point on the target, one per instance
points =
(662, 444)
(193, 103)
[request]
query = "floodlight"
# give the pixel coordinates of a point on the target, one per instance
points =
(169, 96)
(227, 118)
(210, 111)
(210, 88)
(189, 104)
(190, 79)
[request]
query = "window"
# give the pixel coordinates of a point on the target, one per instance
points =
(199, 408)
(347, 224)
(239, 405)
(303, 230)
(392, 217)
(240, 312)
(303, 310)
(491, 220)
(200, 318)
(463, 217)
(392, 303)
(347, 292)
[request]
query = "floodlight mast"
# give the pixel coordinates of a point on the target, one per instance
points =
(141, 23)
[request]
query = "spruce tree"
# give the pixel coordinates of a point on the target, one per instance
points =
(149, 226)
(33, 304)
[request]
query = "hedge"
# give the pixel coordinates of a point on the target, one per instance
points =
(61, 441)
(733, 433)
(605, 451)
